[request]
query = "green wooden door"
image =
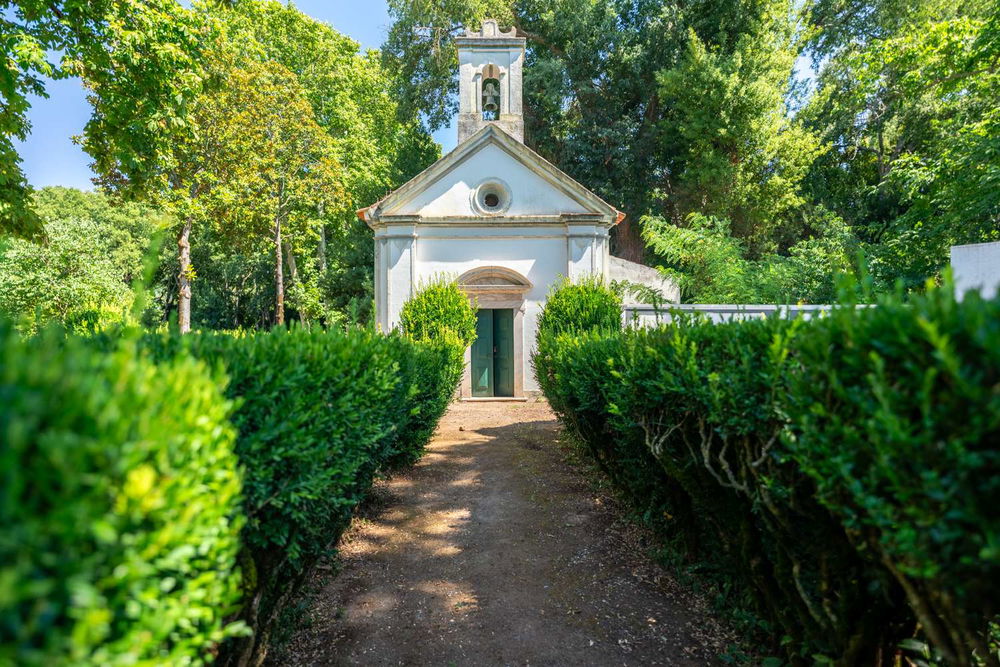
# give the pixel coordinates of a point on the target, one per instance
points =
(482, 355)
(493, 354)
(503, 352)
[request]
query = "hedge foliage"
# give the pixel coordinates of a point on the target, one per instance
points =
(319, 414)
(124, 517)
(438, 311)
(119, 492)
(842, 474)
(587, 305)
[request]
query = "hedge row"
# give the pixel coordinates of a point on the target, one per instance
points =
(119, 496)
(319, 413)
(121, 503)
(843, 474)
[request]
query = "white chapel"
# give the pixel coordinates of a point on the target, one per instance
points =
(496, 216)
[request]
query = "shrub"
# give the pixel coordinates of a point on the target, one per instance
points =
(895, 417)
(589, 305)
(118, 499)
(684, 420)
(832, 471)
(438, 310)
(315, 417)
(320, 413)
(431, 372)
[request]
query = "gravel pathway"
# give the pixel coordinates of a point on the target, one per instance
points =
(496, 550)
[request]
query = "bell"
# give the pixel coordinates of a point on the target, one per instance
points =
(491, 98)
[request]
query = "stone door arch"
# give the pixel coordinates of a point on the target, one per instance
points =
(497, 288)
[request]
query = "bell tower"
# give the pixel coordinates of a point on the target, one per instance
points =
(490, 64)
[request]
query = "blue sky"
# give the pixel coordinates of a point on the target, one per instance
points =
(51, 158)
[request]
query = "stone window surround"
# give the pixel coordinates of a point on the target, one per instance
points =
(496, 186)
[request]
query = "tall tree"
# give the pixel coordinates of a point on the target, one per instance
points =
(140, 59)
(286, 166)
(728, 143)
(377, 139)
(907, 104)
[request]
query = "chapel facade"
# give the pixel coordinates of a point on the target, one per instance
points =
(496, 216)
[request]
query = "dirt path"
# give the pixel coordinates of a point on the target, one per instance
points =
(496, 551)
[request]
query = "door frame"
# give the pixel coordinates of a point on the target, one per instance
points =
(516, 362)
(494, 287)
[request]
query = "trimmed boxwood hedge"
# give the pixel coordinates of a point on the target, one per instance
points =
(319, 413)
(841, 474)
(121, 460)
(118, 506)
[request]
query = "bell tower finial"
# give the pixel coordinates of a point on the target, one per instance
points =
(490, 65)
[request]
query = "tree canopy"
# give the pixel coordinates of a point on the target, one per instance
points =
(701, 121)
(761, 148)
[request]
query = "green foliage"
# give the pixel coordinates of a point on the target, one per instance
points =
(319, 413)
(587, 305)
(710, 265)
(439, 311)
(377, 144)
(895, 417)
(909, 108)
(141, 60)
(118, 499)
(431, 371)
(736, 152)
(83, 275)
(801, 463)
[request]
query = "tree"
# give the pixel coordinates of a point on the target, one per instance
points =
(377, 140)
(282, 165)
(909, 110)
(140, 59)
(712, 266)
(85, 271)
(730, 147)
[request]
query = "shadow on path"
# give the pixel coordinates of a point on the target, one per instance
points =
(493, 550)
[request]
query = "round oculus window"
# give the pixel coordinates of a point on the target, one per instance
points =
(491, 198)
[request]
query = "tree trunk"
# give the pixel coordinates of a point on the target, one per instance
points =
(279, 275)
(322, 239)
(293, 274)
(184, 278)
(293, 268)
(626, 241)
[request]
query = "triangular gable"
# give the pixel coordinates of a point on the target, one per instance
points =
(443, 190)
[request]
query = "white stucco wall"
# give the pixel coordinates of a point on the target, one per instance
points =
(622, 269)
(411, 255)
(976, 266)
(451, 195)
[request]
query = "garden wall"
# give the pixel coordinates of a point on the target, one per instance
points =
(650, 316)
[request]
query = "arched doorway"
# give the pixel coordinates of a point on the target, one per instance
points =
(495, 362)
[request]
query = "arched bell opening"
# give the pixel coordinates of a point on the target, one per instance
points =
(490, 101)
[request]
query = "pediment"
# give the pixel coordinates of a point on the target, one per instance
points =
(493, 279)
(525, 187)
